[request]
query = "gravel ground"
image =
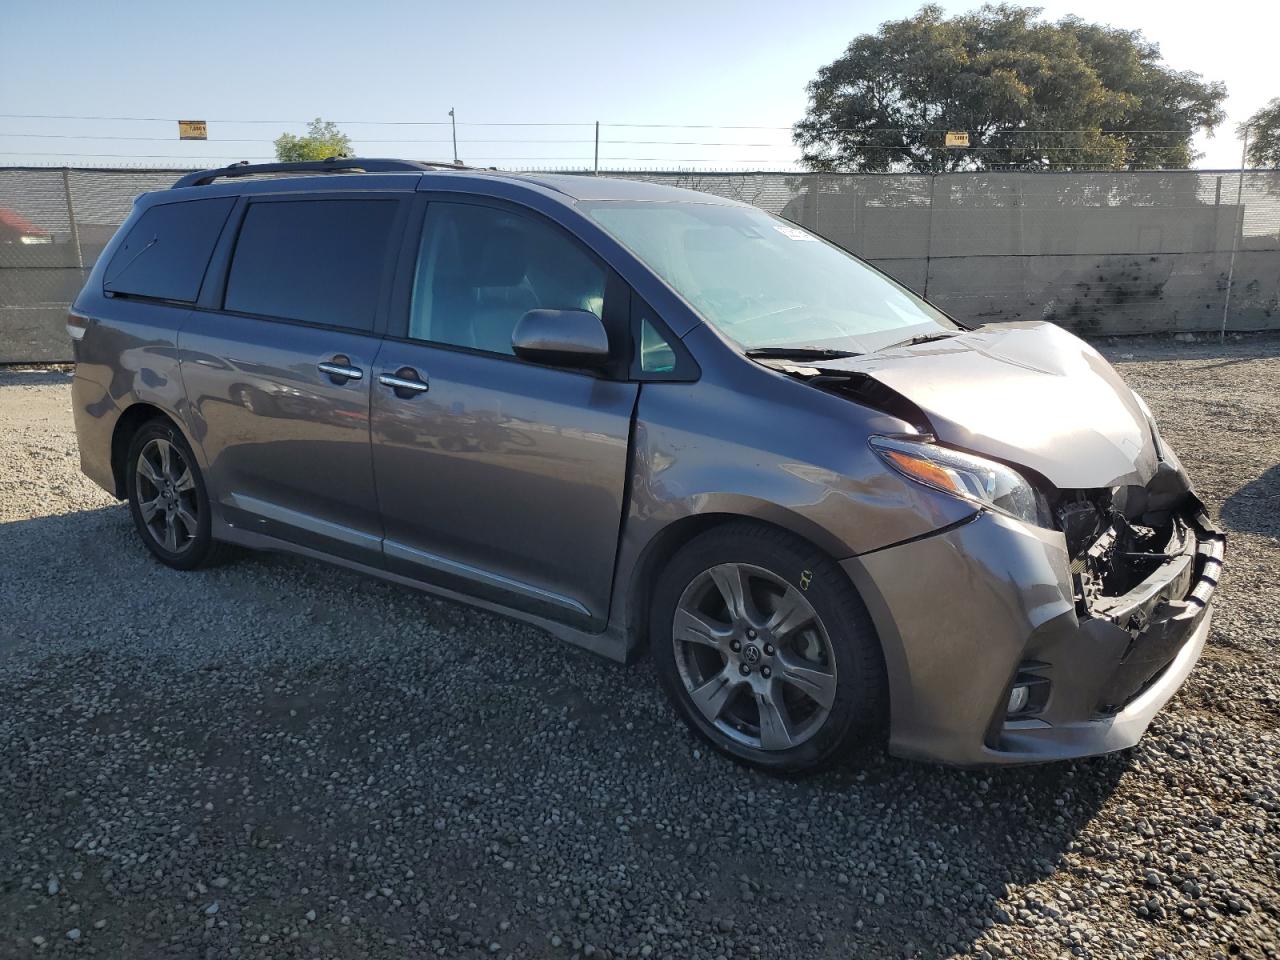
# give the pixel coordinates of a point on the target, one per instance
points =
(279, 759)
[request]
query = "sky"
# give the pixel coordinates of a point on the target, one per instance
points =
(711, 84)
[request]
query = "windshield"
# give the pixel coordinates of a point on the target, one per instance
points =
(764, 282)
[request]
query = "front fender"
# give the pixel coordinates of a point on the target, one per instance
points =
(805, 467)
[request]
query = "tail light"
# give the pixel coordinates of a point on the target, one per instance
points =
(77, 325)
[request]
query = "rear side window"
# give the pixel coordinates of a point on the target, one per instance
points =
(321, 261)
(166, 252)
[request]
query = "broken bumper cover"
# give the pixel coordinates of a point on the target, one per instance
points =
(965, 614)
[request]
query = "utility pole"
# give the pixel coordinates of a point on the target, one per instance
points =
(596, 167)
(453, 127)
(1235, 239)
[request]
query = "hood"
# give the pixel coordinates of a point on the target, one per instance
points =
(1025, 393)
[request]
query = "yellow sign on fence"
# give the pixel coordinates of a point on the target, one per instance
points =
(957, 138)
(192, 130)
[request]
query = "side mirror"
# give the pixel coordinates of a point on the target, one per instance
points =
(561, 338)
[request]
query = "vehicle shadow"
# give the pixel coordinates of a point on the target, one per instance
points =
(33, 378)
(958, 843)
(461, 714)
(1255, 507)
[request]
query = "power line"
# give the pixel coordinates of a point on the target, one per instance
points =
(693, 143)
(127, 156)
(673, 143)
(991, 133)
(422, 123)
(580, 158)
(1057, 157)
(683, 126)
(57, 116)
(587, 123)
(94, 136)
(392, 123)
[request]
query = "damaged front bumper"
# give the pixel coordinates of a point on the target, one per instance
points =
(969, 614)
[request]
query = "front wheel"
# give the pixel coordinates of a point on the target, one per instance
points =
(167, 498)
(766, 649)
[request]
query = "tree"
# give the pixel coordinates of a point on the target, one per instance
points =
(1030, 94)
(1264, 136)
(323, 140)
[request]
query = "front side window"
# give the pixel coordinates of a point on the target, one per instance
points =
(166, 252)
(656, 354)
(764, 282)
(321, 261)
(480, 269)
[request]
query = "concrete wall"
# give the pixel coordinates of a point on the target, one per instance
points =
(1099, 253)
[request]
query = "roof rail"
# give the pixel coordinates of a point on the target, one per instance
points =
(244, 168)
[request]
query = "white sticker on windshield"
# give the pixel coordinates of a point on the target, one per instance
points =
(793, 233)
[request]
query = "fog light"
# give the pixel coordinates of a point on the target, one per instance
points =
(1018, 698)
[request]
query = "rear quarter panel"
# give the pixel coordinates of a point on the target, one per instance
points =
(128, 355)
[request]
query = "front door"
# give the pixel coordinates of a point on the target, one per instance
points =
(278, 378)
(496, 477)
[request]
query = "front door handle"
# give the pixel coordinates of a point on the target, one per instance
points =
(405, 382)
(340, 370)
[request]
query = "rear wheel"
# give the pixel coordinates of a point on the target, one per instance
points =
(766, 650)
(167, 498)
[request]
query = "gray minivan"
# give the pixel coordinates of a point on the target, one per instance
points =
(648, 419)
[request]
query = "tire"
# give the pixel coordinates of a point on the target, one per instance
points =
(168, 500)
(801, 655)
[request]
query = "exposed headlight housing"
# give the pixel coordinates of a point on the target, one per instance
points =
(985, 482)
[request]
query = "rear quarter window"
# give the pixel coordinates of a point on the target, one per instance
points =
(166, 252)
(320, 261)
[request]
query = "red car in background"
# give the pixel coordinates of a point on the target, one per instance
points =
(15, 228)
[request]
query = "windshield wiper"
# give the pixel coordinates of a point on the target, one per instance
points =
(800, 353)
(923, 338)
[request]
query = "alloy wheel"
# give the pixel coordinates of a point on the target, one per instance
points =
(167, 495)
(754, 656)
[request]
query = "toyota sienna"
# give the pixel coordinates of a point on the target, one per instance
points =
(649, 419)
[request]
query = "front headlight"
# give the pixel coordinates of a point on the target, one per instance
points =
(981, 481)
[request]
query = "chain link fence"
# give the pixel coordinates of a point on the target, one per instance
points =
(1099, 253)
(53, 225)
